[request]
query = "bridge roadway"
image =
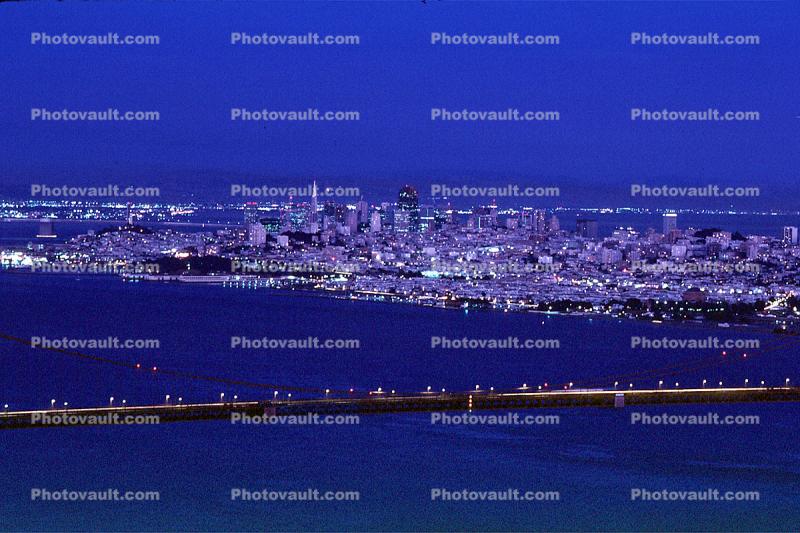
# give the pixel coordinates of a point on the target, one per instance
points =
(388, 403)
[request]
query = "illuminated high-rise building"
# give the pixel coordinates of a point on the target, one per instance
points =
(670, 221)
(408, 202)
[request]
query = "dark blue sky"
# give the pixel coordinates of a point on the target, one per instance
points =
(394, 78)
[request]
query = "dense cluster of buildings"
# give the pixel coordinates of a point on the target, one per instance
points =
(440, 255)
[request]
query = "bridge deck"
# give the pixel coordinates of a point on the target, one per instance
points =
(386, 403)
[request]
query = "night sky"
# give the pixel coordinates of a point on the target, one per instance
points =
(393, 78)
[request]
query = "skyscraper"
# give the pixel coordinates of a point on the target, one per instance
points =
(312, 214)
(790, 234)
(408, 201)
(670, 222)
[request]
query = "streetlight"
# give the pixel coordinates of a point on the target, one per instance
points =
(290, 397)
(787, 382)
(235, 397)
(630, 386)
(111, 402)
(166, 399)
(221, 397)
(677, 384)
(124, 402)
(615, 385)
(660, 383)
(746, 381)
(720, 384)
(52, 404)
(704, 383)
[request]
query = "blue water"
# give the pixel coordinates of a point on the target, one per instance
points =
(594, 457)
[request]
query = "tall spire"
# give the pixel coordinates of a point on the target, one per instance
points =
(312, 216)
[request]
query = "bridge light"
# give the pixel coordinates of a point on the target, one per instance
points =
(660, 382)
(677, 384)
(429, 388)
(392, 391)
(762, 382)
(442, 390)
(235, 397)
(52, 404)
(630, 386)
(787, 382)
(166, 399)
(615, 384)
(477, 387)
(746, 381)
(66, 404)
(570, 384)
(290, 396)
(180, 399)
(155, 368)
(327, 391)
(111, 401)
(221, 397)
(704, 383)
(124, 402)
(720, 384)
